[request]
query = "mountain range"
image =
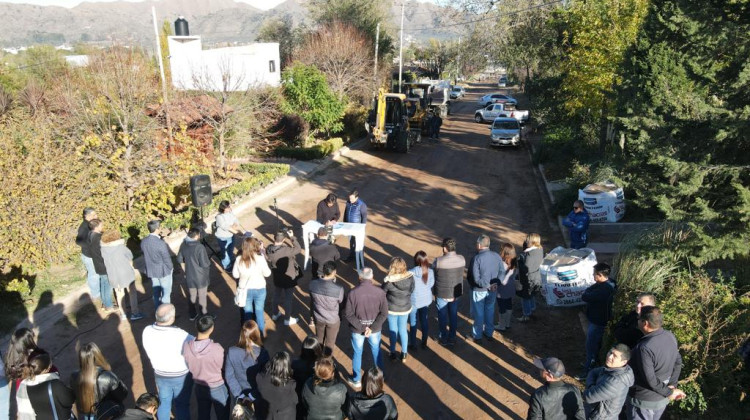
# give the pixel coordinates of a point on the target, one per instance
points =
(217, 21)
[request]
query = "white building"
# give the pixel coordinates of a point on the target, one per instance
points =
(230, 69)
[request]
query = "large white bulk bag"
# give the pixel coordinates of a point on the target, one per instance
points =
(604, 201)
(566, 273)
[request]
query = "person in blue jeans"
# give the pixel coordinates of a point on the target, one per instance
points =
(421, 298)
(251, 271)
(577, 222)
(483, 269)
(599, 298)
(95, 248)
(449, 278)
(227, 225)
(205, 360)
(366, 311)
(398, 286)
(159, 267)
(354, 212)
(82, 240)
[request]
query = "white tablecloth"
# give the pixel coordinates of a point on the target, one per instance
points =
(357, 230)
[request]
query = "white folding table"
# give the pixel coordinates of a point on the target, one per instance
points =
(357, 230)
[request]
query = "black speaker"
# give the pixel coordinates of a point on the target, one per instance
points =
(200, 190)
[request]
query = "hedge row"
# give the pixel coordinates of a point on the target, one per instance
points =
(318, 151)
(258, 175)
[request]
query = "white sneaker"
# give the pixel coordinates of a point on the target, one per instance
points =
(290, 321)
(275, 316)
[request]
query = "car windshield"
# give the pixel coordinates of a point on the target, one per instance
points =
(505, 125)
(457, 89)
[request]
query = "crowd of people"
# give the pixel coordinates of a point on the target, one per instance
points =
(637, 380)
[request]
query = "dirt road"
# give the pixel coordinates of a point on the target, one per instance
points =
(457, 187)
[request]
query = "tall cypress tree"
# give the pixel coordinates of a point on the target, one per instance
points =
(684, 108)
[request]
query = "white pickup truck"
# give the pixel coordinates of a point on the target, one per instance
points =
(492, 111)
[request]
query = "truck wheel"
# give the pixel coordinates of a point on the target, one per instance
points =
(402, 146)
(417, 137)
(478, 118)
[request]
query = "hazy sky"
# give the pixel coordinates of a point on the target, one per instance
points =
(260, 4)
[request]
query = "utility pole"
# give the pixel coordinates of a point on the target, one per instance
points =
(458, 61)
(163, 81)
(375, 72)
(401, 50)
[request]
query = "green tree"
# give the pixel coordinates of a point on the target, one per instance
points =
(306, 93)
(280, 30)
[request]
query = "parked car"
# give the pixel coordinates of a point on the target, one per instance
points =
(502, 82)
(492, 111)
(505, 131)
(496, 98)
(457, 92)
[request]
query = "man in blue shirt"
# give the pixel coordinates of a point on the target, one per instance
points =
(355, 212)
(577, 223)
(484, 267)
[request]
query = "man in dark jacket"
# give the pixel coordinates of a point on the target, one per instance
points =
(355, 212)
(599, 298)
(366, 310)
(626, 329)
(328, 210)
(449, 278)
(577, 223)
(555, 400)
(483, 268)
(195, 263)
(607, 387)
(158, 264)
(146, 407)
(95, 249)
(656, 364)
(325, 302)
(82, 240)
(282, 261)
(322, 251)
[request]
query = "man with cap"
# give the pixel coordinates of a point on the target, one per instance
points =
(366, 310)
(555, 399)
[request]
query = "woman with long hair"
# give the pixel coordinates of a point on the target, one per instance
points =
(372, 403)
(424, 280)
(251, 270)
(121, 273)
(243, 363)
(529, 274)
(278, 398)
(40, 385)
(95, 384)
(303, 368)
(506, 288)
(398, 286)
(323, 396)
(21, 349)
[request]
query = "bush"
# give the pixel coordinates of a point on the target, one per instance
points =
(292, 129)
(306, 92)
(354, 123)
(318, 151)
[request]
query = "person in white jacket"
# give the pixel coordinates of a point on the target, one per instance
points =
(251, 270)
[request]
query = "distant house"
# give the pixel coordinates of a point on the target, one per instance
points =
(230, 68)
(77, 60)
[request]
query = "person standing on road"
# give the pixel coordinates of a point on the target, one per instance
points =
(278, 397)
(95, 382)
(227, 225)
(328, 211)
(421, 299)
(323, 396)
(325, 301)
(159, 267)
(607, 387)
(366, 310)
(82, 240)
(437, 122)
(398, 286)
(656, 364)
(355, 212)
(530, 275)
(286, 272)
(449, 281)
(118, 260)
(95, 248)
(244, 362)
(195, 263)
(577, 223)
(204, 359)
(251, 271)
(322, 251)
(506, 286)
(483, 268)
(372, 402)
(163, 343)
(626, 329)
(599, 298)
(555, 400)
(303, 368)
